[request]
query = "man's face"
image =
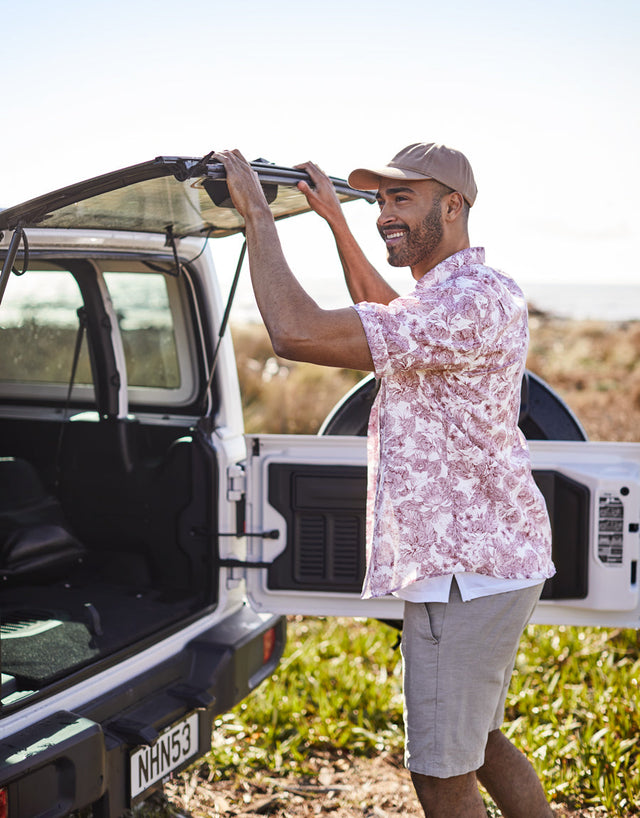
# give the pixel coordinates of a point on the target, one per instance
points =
(410, 222)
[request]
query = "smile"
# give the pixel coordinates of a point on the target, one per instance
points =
(393, 236)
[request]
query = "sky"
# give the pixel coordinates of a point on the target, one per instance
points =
(543, 97)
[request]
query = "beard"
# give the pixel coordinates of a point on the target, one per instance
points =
(418, 243)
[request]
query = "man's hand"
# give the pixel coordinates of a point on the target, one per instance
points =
(246, 192)
(322, 197)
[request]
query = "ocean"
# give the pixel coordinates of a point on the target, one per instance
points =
(613, 302)
(586, 301)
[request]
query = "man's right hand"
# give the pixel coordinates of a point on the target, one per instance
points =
(322, 197)
(244, 185)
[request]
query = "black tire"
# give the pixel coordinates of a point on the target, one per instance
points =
(543, 414)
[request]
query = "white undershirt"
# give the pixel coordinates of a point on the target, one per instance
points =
(437, 589)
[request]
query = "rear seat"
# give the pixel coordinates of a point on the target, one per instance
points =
(35, 542)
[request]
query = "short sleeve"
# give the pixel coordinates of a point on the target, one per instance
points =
(458, 324)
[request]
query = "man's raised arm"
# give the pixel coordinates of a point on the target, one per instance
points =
(364, 282)
(299, 329)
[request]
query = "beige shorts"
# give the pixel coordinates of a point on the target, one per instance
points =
(458, 659)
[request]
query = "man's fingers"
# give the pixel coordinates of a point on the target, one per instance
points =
(306, 166)
(231, 158)
(244, 184)
(236, 165)
(223, 156)
(229, 152)
(316, 174)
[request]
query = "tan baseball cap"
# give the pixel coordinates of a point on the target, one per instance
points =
(422, 160)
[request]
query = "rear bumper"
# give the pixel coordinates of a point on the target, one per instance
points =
(72, 760)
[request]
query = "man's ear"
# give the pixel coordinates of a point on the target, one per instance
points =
(454, 205)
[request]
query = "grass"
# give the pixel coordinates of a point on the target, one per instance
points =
(574, 704)
(593, 365)
(284, 397)
(337, 689)
(572, 708)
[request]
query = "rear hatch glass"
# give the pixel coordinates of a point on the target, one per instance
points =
(186, 197)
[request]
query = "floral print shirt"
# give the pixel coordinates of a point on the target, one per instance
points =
(450, 487)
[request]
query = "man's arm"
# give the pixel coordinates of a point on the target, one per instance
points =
(364, 282)
(299, 329)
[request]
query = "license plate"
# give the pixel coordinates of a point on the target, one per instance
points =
(173, 747)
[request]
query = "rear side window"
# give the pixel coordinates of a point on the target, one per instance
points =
(141, 303)
(38, 329)
(148, 326)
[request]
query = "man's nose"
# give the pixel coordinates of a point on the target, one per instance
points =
(386, 214)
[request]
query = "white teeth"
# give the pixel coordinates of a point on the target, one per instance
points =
(396, 235)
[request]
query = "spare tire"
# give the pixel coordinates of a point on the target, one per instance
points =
(543, 414)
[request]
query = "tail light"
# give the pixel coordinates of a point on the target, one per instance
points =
(268, 645)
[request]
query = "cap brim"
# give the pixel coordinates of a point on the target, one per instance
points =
(369, 179)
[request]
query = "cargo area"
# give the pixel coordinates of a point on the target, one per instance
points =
(105, 539)
(105, 487)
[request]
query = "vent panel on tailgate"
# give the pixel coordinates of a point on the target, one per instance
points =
(324, 507)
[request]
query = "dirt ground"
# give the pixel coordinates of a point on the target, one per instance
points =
(344, 788)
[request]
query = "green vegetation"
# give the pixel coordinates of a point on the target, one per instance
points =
(338, 688)
(572, 707)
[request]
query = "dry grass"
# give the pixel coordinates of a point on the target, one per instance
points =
(284, 397)
(594, 366)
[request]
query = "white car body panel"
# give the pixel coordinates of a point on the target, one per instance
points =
(613, 597)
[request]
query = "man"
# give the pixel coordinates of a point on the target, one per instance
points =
(456, 525)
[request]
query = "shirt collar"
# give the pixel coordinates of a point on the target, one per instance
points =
(463, 258)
